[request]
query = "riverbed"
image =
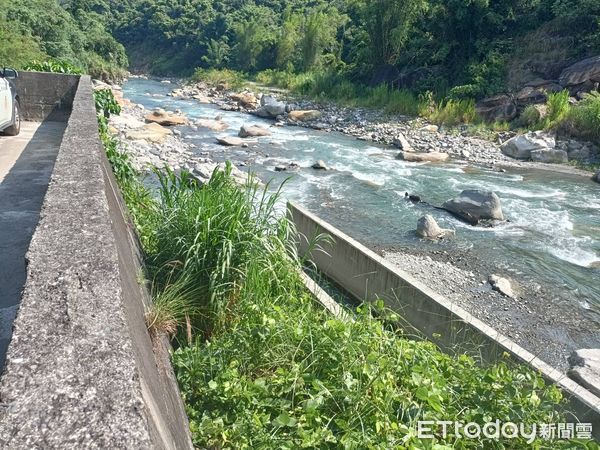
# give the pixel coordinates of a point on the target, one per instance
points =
(550, 245)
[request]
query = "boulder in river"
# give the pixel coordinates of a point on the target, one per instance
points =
(320, 165)
(428, 228)
(231, 141)
(502, 285)
(151, 132)
(550, 155)
(212, 124)
(473, 206)
(161, 117)
(402, 143)
(270, 107)
(246, 99)
(520, 147)
(585, 369)
(303, 116)
(253, 131)
(423, 157)
(597, 177)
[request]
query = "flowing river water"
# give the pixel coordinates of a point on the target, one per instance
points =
(552, 239)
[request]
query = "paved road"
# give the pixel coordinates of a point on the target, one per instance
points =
(26, 163)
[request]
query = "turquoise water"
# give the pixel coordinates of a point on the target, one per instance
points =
(553, 237)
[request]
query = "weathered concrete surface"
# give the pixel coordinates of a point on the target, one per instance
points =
(46, 96)
(80, 370)
(26, 163)
(367, 276)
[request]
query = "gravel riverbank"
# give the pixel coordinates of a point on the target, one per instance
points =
(534, 319)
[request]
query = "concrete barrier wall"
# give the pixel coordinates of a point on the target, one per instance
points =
(367, 276)
(46, 96)
(81, 369)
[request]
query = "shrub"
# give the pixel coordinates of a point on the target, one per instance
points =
(234, 79)
(558, 109)
(53, 66)
(453, 112)
(530, 118)
(584, 118)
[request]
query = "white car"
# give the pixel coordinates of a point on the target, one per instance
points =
(10, 114)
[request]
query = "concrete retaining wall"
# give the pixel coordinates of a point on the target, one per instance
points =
(81, 369)
(367, 276)
(46, 96)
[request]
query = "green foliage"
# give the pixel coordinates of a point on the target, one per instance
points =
(70, 32)
(584, 118)
(53, 66)
(530, 118)
(453, 112)
(558, 109)
(106, 103)
(18, 46)
(388, 25)
(214, 77)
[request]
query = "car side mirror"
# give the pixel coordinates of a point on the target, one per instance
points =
(10, 73)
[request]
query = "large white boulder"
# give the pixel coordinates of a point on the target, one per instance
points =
(475, 205)
(520, 147)
(151, 132)
(270, 107)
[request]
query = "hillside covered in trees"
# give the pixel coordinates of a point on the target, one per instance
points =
(72, 31)
(466, 48)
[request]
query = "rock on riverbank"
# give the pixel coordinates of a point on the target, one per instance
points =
(152, 145)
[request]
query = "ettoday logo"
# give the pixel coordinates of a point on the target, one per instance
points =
(430, 429)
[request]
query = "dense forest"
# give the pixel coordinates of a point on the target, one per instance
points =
(469, 48)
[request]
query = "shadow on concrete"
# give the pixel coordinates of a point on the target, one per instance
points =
(21, 196)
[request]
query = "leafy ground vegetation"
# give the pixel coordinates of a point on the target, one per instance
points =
(262, 366)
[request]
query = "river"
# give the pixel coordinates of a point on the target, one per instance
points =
(552, 237)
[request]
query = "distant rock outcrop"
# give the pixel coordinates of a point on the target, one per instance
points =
(499, 107)
(582, 76)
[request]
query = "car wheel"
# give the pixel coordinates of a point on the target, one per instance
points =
(15, 128)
